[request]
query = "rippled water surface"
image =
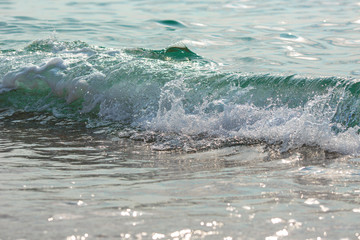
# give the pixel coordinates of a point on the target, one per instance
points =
(63, 181)
(251, 36)
(179, 120)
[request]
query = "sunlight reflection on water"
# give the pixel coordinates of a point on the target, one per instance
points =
(61, 180)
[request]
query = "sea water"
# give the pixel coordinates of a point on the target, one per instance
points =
(179, 120)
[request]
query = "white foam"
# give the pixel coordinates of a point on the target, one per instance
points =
(292, 127)
(29, 75)
(133, 90)
(4, 89)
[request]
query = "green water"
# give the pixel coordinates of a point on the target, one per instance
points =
(318, 37)
(179, 120)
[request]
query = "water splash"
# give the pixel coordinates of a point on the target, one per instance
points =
(178, 99)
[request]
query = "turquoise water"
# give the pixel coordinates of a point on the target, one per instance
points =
(319, 37)
(191, 120)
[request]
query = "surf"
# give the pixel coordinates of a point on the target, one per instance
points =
(178, 99)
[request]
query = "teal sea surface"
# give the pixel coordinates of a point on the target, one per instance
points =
(179, 120)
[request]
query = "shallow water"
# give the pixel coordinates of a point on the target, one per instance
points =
(60, 181)
(191, 120)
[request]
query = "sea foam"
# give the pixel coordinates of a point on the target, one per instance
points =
(177, 93)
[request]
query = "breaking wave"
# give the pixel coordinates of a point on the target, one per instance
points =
(177, 99)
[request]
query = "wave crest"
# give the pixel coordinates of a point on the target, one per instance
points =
(177, 93)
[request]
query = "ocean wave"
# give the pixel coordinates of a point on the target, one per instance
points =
(173, 95)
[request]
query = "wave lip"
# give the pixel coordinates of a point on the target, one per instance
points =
(27, 75)
(172, 23)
